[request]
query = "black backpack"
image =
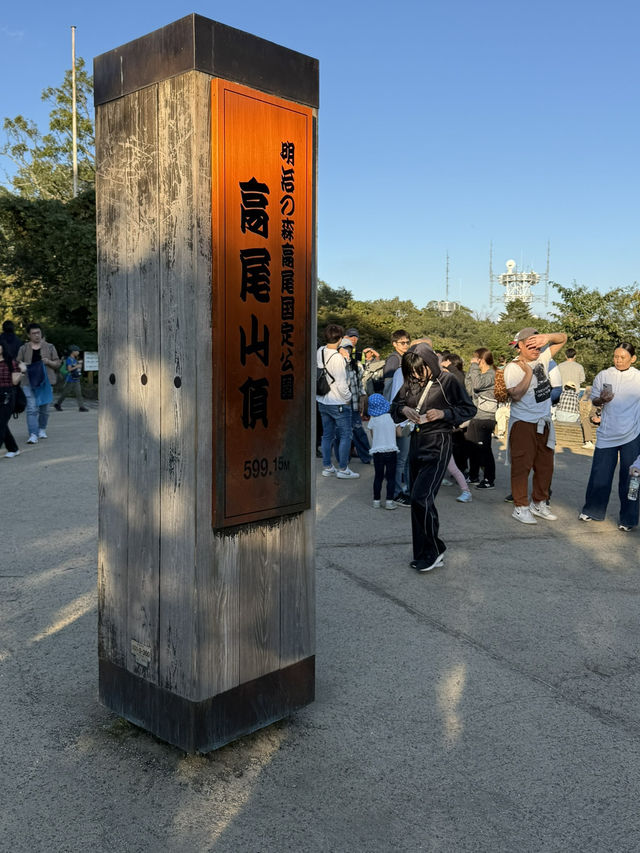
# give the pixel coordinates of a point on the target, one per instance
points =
(323, 386)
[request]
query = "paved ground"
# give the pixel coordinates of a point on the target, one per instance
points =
(491, 705)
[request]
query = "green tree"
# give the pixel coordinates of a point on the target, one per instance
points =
(48, 264)
(43, 163)
(595, 322)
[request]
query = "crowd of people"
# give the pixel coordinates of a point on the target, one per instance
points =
(428, 420)
(29, 370)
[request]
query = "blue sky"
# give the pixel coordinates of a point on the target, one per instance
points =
(443, 126)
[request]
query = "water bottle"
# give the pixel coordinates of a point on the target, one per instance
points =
(634, 485)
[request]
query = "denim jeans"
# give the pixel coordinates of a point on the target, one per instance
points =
(603, 468)
(402, 465)
(336, 423)
(37, 416)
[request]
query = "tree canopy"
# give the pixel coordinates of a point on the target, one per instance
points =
(47, 237)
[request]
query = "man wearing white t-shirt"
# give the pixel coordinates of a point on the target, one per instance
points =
(531, 434)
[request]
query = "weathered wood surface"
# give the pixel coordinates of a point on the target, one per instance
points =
(140, 362)
(215, 609)
(113, 423)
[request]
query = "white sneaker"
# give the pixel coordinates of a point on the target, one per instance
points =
(33, 439)
(588, 445)
(389, 504)
(42, 434)
(542, 511)
(376, 504)
(11, 454)
(347, 474)
(523, 514)
(328, 472)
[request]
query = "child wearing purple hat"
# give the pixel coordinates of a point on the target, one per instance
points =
(383, 449)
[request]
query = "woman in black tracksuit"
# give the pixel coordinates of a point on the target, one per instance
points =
(436, 414)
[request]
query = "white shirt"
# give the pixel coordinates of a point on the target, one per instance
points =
(339, 393)
(536, 402)
(620, 422)
(383, 432)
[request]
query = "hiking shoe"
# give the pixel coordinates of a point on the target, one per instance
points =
(328, 472)
(424, 566)
(402, 499)
(347, 474)
(57, 407)
(542, 511)
(81, 409)
(376, 504)
(485, 484)
(446, 482)
(33, 439)
(584, 517)
(620, 526)
(464, 497)
(509, 499)
(389, 505)
(523, 514)
(11, 454)
(42, 434)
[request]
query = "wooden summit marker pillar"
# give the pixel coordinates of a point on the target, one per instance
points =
(206, 152)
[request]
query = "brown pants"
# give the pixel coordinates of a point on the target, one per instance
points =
(528, 450)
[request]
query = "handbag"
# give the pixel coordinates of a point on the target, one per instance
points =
(19, 401)
(500, 389)
(323, 386)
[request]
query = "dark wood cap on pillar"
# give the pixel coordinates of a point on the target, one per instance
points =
(195, 43)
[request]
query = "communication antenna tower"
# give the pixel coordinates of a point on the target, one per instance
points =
(445, 307)
(518, 284)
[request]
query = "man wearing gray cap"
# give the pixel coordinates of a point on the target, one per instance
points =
(531, 432)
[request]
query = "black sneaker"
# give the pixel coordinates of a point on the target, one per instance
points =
(83, 409)
(485, 484)
(472, 480)
(57, 407)
(508, 499)
(402, 499)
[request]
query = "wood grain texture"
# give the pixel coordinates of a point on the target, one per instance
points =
(113, 424)
(297, 589)
(141, 362)
(178, 385)
(259, 600)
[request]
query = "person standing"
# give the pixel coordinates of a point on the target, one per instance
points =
(41, 361)
(358, 398)
(335, 405)
(480, 382)
(571, 371)
(531, 434)
(10, 342)
(617, 391)
(400, 342)
(10, 375)
(436, 403)
(72, 382)
(383, 449)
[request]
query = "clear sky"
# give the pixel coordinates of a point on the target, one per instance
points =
(444, 125)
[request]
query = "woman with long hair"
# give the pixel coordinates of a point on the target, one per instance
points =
(480, 382)
(617, 391)
(436, 403)
(10, 376)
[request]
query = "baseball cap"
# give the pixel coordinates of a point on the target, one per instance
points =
(353, 332)
(522, 335)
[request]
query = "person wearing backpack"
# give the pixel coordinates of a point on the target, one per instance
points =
(480, 383)
(334, 405)
(72, 375)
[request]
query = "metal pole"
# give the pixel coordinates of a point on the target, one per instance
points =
(74, 128)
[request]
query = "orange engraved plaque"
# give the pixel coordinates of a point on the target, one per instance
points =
(262, 211)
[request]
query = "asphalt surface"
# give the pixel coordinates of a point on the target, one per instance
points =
(491, 705)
